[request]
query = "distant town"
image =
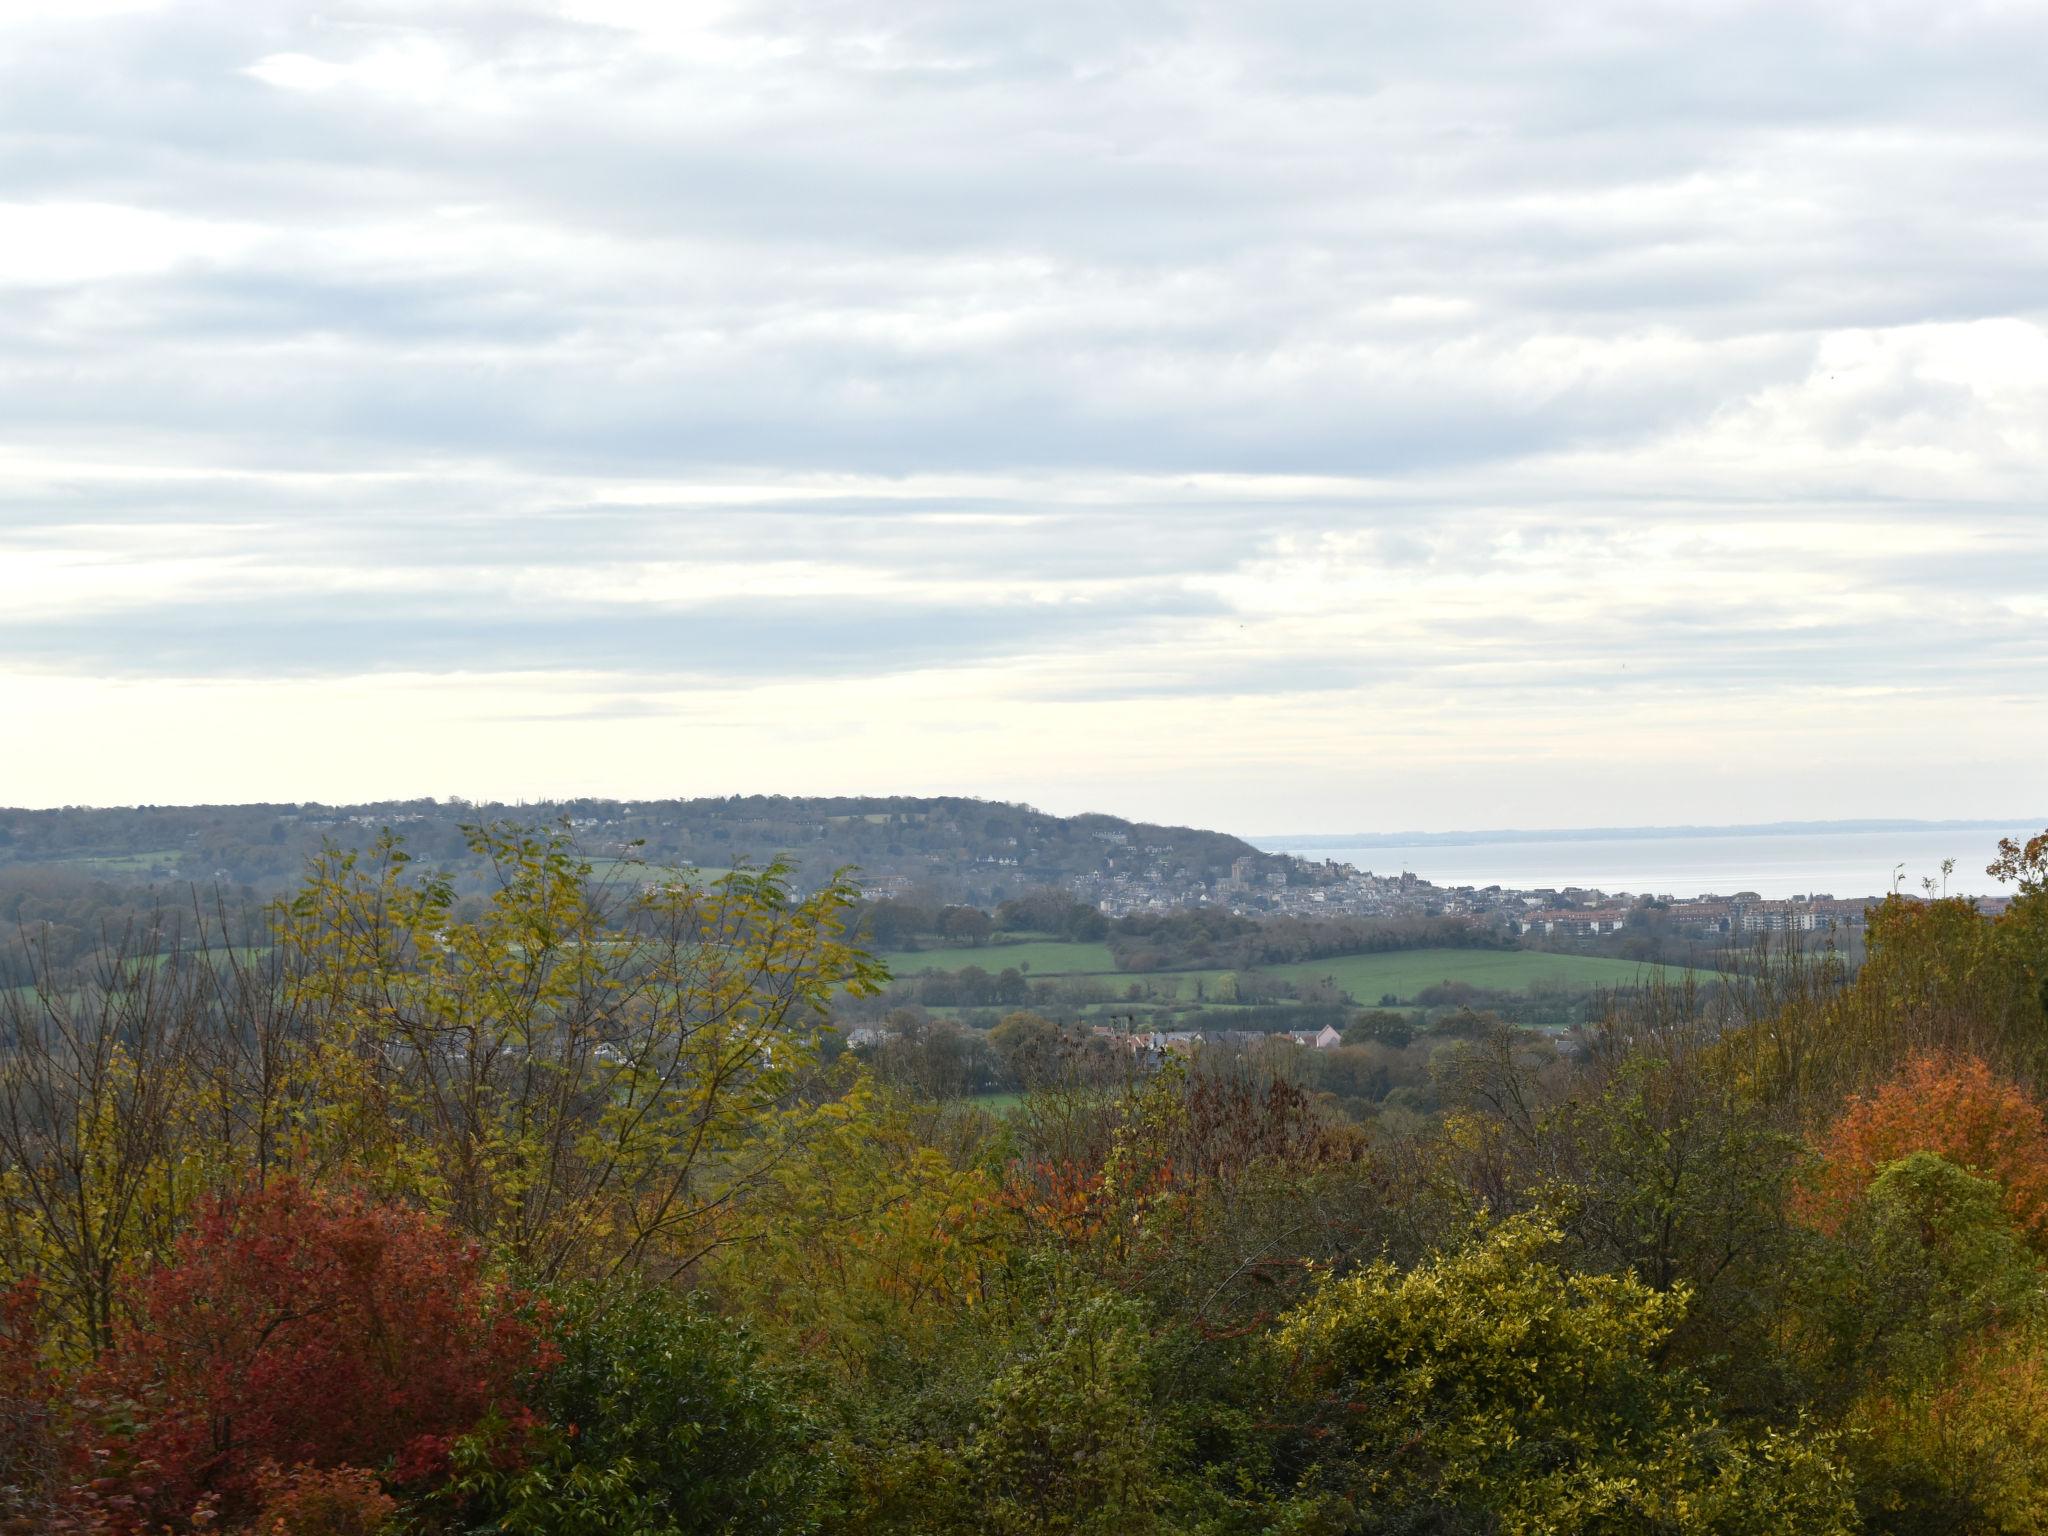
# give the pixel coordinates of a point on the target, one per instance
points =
(1282, 884)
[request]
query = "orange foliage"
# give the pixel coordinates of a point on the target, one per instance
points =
(1076, 1205)
(1183, 1149)
(310, 1501)
(1955, 1108)
(1982, 1430)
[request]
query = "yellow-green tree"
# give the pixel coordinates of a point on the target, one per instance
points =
(1922, 1325)
(584, 1079)
(871, 1241)
(1489, 1389)
(1070, 1441)
(101, 1093)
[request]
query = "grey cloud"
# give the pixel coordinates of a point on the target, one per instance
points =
(1094, 405)
(1061, 241)
(1123, 151)
(751, 640)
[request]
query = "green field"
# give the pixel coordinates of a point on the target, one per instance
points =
(995, 1103)
(1048, 957)
(126, 863)
(1368, 978)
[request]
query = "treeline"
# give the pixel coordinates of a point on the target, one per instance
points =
(972, 986)
(54, 921)
(1655, 933)
(1193, 938)
(950, 848)
(901, 923)
(1208, 938)
(563, 1218)
(1381, 1077)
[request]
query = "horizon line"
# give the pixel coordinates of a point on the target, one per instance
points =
(1416, 838)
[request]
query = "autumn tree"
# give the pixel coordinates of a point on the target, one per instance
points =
(1954, 1107)
(583, 1078)
(299, 1328)
(2022, 930)
(31, 1430)
(130, 1091)
(1939, 978)
(1919, 1316)
(96, 1079)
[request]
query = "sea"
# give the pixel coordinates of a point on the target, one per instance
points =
(1774, 864)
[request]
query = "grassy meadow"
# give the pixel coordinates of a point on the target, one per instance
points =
(125, 865)
(1366, 978)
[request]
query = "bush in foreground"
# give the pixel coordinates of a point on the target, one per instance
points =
(661, 1422)
(298, 1330)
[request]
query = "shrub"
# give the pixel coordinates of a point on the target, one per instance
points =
(30, 1442)
(1069, 1440)
(662, 1422)
(1494, 1390)
(309, 1501)
(300, 1328)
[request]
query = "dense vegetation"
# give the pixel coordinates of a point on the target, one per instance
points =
(978, 851)
(557, 1210)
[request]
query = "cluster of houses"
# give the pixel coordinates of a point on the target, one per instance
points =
(1151, 1047)
(1744, 912)
(1185, 1041)
(1281, 885)
(1274, 884)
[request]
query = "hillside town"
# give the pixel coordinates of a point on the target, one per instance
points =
(1286, 885)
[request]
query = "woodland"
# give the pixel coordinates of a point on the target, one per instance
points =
(560, 1210)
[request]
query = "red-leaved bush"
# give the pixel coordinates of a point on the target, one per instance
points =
(1955, 1108)
(30, 1442)
(297, 1328)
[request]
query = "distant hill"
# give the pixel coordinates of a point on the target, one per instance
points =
(949, 848)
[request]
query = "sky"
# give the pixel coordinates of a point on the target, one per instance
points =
(1302, 416)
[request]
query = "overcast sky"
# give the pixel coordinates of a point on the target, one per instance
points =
(1292, 416)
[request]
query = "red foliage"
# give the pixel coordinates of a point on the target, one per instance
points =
(1955, 1108)
(29, 1439)
(22, 1376)
(304, 1329)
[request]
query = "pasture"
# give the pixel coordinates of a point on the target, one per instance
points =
(129, 865)
(1368, 978)
(1365, 978)
(993, 1103)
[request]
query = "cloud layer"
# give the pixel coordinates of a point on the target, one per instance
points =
(1279, 415)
